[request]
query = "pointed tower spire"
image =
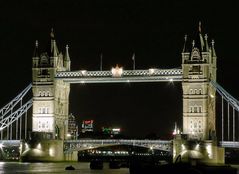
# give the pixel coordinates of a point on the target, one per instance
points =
(200, 35)
(199, 40)
(54, 49)
(213, 49)
(206, 42)
(199, 27)
(185, 41)
(36, 52)
(193, 44)
(67, 60)
(67, 57)
(52, 34)
(35, 57)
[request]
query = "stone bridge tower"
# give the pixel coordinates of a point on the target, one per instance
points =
(199, 68)
(50, 96)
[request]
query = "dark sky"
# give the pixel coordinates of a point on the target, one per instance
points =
(117, 29)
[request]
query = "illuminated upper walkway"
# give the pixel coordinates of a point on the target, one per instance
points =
(118, 75)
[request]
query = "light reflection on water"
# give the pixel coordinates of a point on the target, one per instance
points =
(35, 168)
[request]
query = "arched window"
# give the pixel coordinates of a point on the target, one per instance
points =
(196, 91)
(200, 91)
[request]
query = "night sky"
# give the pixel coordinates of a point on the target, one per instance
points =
(117, 29)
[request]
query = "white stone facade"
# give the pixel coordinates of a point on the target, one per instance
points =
(199, 68)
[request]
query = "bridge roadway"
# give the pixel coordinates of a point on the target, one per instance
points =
(123, 76)
(83, 144)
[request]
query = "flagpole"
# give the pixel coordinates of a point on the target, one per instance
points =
(101, 62)
(133, 58)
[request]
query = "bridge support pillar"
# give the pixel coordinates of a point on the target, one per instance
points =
(42, 151)
(193, 151)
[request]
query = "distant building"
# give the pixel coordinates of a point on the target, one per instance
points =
(72, 127)
(87, 126)
(111, 131)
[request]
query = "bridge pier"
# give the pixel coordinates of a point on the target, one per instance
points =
(203, 151)
(42, 150)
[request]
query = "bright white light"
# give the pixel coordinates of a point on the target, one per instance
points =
(26, 146)
(82, 81)
(39, 146)
(209, 150)
(212, 96)
(1, 145)
(151, 71)
(68, 135)
(151, 147)
(183, 147)
(51, 152)
(171, 80)
(128, 81)
(83, 72)
(197, 147)
(117, 71)
(116, 129)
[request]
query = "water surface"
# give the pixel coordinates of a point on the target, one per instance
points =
(36, 168)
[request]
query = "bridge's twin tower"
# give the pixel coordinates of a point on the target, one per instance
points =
(50, 96)
(199, 68)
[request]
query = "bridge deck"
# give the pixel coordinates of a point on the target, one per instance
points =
(150, 75)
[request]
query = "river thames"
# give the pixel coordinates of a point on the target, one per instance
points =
(57, 168)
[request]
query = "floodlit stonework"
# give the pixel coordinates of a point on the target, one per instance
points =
(199, 68)
(50, 96)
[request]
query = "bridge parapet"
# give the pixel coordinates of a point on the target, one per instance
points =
(229, 144)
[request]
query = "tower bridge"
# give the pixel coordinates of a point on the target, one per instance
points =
(52, 76)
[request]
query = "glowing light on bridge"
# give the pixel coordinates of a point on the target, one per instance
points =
(183, 147)
(51, 152)
(117, 71)
(197, 147)
(83, 72)
(39, 146)
(151, 71)
(212, 96)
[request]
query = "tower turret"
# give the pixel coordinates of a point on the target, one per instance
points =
(35, 58)
(67, 60)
